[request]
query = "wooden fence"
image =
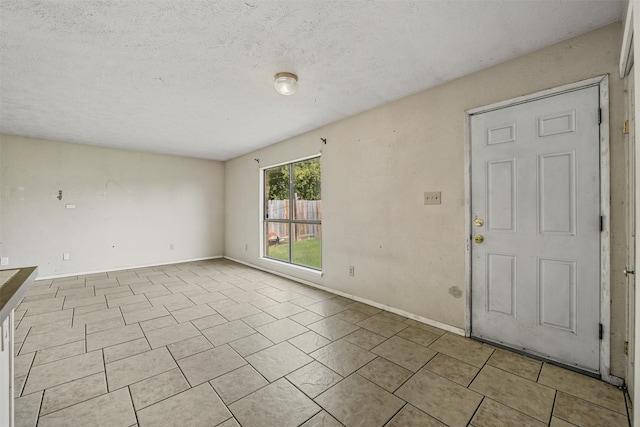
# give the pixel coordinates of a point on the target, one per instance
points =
(309, 210)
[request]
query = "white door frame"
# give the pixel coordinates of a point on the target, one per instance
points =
(602, 82)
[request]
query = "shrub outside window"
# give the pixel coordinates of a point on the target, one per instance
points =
(293, 213)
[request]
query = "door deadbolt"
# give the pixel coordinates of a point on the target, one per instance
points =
(478, 238)
(478, 222)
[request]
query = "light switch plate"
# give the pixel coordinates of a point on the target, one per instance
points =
(432, 197)
(4, 261)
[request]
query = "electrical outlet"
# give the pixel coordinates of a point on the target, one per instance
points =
(432, 197)
(65, 256)
(352, 271)
(4, 261)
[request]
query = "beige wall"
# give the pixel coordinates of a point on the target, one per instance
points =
(129, 207)
(377, 165)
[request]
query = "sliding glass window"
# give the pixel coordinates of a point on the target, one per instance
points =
(293, 213)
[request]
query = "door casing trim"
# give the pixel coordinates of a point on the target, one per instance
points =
(602, 82)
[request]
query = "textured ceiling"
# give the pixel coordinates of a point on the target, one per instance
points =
(195, 78)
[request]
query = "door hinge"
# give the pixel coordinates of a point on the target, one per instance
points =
(601, 223)
(625, 127)
(600, 116)
(626, 348)
(601, 331)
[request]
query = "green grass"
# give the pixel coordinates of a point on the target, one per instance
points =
(305, 252)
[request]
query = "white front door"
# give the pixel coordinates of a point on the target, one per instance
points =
(535, 205)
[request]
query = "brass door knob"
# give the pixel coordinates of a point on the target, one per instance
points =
(478, 222)
(478, 238)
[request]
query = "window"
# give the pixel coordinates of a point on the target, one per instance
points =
(293, 213)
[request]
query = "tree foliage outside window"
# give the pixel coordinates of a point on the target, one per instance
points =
(307, 181)
(293, 213)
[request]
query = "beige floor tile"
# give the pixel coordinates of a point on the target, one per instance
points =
(281, 330)
(452, 369)
(280, 403)
(418, 335)
(557, 422)
(364, 338)
(192, 313)
(196, 407)
(356, 401)
(210, 364)
(157, 388)
(516, 392)
(113, 410)
(45, 319)
(171, 334)
(304, 301)
(282, 310)
(351, 316)
(306, 317)
(139, 367)
(22, 364)
(103, 325)
(144, 314)
(440, 398)
(68, 394)
(223, 303)
(410, 416)
(209, 321)
(405, 353)
(129, 308)
(583, 413)
(188, 347)
(309, 341)
(96, 316)
(251, 344)
(494, 414)
(26, 410)
(160, 322)
(90, 308)
(326, 308)
(386, 374)
(278, 361)
(464, 349)
(237, 384)
(364, 308)
(259, 319)
(62, 371)
(125, 300)
(313, 379)
(48, 304)
(425, 327)
(60, 352)
(227, 332)
(78, 302)
(382, 325)
(516, 364)
(113, 336)
(584, 387)
(322, 419)
(206, 297)
(333, 328)
(343, 357)
(126, 349)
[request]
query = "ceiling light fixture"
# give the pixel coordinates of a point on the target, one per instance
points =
(286, 83)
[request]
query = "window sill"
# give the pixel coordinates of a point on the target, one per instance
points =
(295, 267)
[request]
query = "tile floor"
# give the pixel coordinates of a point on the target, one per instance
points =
(216, 343)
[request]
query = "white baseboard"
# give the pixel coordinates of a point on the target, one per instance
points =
(430, 322)
(83, 273)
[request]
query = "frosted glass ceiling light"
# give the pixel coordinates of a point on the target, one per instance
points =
(286, 83)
